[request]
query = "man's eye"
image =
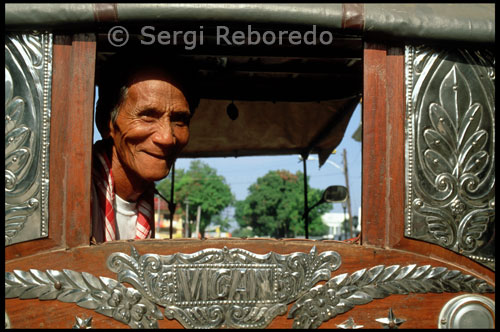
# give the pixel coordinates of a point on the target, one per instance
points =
(148, 115)
(180, 120)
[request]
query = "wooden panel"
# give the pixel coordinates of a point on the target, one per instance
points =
(70, 146)
(354, 257)
(383, 191)
(77, 142)
(395, 152)
(374, 195)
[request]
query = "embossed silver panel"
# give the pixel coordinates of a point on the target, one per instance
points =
(450, 143)
(223, 287)
(28, 72)
(208, 289)
(343, 292)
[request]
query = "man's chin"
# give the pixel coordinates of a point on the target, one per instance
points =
(156, 176)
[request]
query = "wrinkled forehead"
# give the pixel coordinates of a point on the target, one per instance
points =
(157, 78)
(155, 91)
(150, 73)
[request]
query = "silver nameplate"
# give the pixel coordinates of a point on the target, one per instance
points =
(224, 287)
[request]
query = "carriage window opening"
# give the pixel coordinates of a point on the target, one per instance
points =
(259, 115)
(236, 210)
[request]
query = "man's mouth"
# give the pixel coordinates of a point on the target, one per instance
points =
(156, 155)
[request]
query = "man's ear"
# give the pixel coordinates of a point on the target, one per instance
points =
(110, 129)
(100, 119)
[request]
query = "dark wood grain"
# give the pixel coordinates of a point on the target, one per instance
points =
(374, 193)
(92, 259)
(77, 145)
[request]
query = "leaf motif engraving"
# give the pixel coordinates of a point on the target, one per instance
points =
(439, 222)
(439, 144)
(324, 302)
(436, 163)
(17, 160)
(106, 296)
(454, 142)
(470, 123)
(477, 163)
(13, 113)
(15, 139)
(456, 135)
(473, 227)
(13, 225)
(455, 94)
(444, 124)
(21, 139)
(423, 55)
(33, 45)
(15, 217)
(476, 142)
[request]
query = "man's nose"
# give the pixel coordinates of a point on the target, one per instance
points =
(164, 135)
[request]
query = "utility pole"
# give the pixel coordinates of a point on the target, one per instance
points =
(186, 230)
(171, 204)
(348, 193)
(159, 202)
(306, 208)
(198, 221)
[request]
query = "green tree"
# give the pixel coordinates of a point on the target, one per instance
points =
(202, 187)
(275, 206)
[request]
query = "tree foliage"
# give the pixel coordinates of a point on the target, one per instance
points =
(202, 187)
(275, 206)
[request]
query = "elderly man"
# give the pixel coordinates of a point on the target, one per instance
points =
(143, 115)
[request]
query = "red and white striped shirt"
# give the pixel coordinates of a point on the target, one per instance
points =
(103, 204)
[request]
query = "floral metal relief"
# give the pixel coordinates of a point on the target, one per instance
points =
(450, 142)
(208, 289)
(343, 292)
(28, 71)
(231, 287)
(224, 288)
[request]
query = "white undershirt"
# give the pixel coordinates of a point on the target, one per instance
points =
(126, 218)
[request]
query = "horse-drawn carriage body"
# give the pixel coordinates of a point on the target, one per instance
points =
(426, 255)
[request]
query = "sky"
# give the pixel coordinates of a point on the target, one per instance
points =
(241, 172)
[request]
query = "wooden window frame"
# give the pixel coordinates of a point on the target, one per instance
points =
(71, 130)
(383, 174)
(383, 180)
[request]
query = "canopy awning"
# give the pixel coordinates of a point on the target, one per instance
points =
(473, 22)
(267, 128)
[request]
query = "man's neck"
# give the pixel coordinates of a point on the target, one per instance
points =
(127, 185)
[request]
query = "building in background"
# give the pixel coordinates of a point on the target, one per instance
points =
(214, 231)
(162, 221)
(334, 222)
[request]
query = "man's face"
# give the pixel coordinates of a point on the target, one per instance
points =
(151, 128)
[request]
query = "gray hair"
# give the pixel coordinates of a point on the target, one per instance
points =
(114, 80)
